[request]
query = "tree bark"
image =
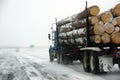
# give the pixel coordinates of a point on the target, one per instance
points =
(67, 29)
(63, 35)
(79, 32)
(71, 41)
(82, 23)
(79, 24)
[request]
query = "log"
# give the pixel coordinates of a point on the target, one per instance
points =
(79, 32)
(98, 29)
(73, 34)
(96, 39)
(65, 29)
(64, 21)
(116, 10)
(75, 41)
(106, 17)
(60, 41)
(66, 42)
(109, 28)
(71, 41)
(114, 21)
(105, 38)
(92, 11)
(118, 21)
(70, 34)
(79, 41)
(63, 35)
(82, 23)
(63, 41)
(79, 24)
(117, 29)
(93, 20)
(116, 38)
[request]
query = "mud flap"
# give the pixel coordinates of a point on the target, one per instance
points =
(105, 63)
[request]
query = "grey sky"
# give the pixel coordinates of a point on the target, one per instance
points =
(25, 22)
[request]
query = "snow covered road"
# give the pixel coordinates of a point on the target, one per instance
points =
(33, 64)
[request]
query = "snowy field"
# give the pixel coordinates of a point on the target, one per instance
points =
(33, 64)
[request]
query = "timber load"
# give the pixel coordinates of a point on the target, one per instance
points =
(104, 27)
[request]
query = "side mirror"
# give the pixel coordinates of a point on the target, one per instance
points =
(49, 37)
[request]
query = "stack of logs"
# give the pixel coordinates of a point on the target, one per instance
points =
(104, 27)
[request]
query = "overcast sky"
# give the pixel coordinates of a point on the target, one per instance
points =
(26, 22)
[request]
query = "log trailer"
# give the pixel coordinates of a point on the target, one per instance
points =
(95, 56)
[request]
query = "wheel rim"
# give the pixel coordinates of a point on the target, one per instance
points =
(91, 63)
(84, 62)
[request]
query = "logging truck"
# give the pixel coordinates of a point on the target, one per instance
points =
(90, 37)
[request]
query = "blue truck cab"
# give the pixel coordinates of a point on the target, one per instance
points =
(52, 49)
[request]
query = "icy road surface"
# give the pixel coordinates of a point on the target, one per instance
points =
(33, 64)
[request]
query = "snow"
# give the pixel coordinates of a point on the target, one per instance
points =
(33, 64)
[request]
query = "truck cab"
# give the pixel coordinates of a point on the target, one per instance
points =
(52, 49)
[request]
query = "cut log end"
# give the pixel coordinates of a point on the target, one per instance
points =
(117, 29)
(114, 21)
(93, 20)
(109, 28)
(94, 10)
(116, 10)
(98, 29)
(106, 17)
(97, 39)
(105, 38)
(118, 21)
(116, 38)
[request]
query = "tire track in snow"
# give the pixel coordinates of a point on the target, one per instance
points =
(41, 70)
(32, 73)
(35, 71)
(10, 69)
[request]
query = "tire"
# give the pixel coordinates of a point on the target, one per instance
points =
(58, 58)
(86, 62)
(119, 65)
(94, 63)
(51, 57)
(66, 60)
(61, 58)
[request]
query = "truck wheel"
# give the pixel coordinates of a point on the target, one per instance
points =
(94, 63)
(51, 57)
(58, 57)
(61, 58)
(119, 65)
(66, 60)
(86, 63)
